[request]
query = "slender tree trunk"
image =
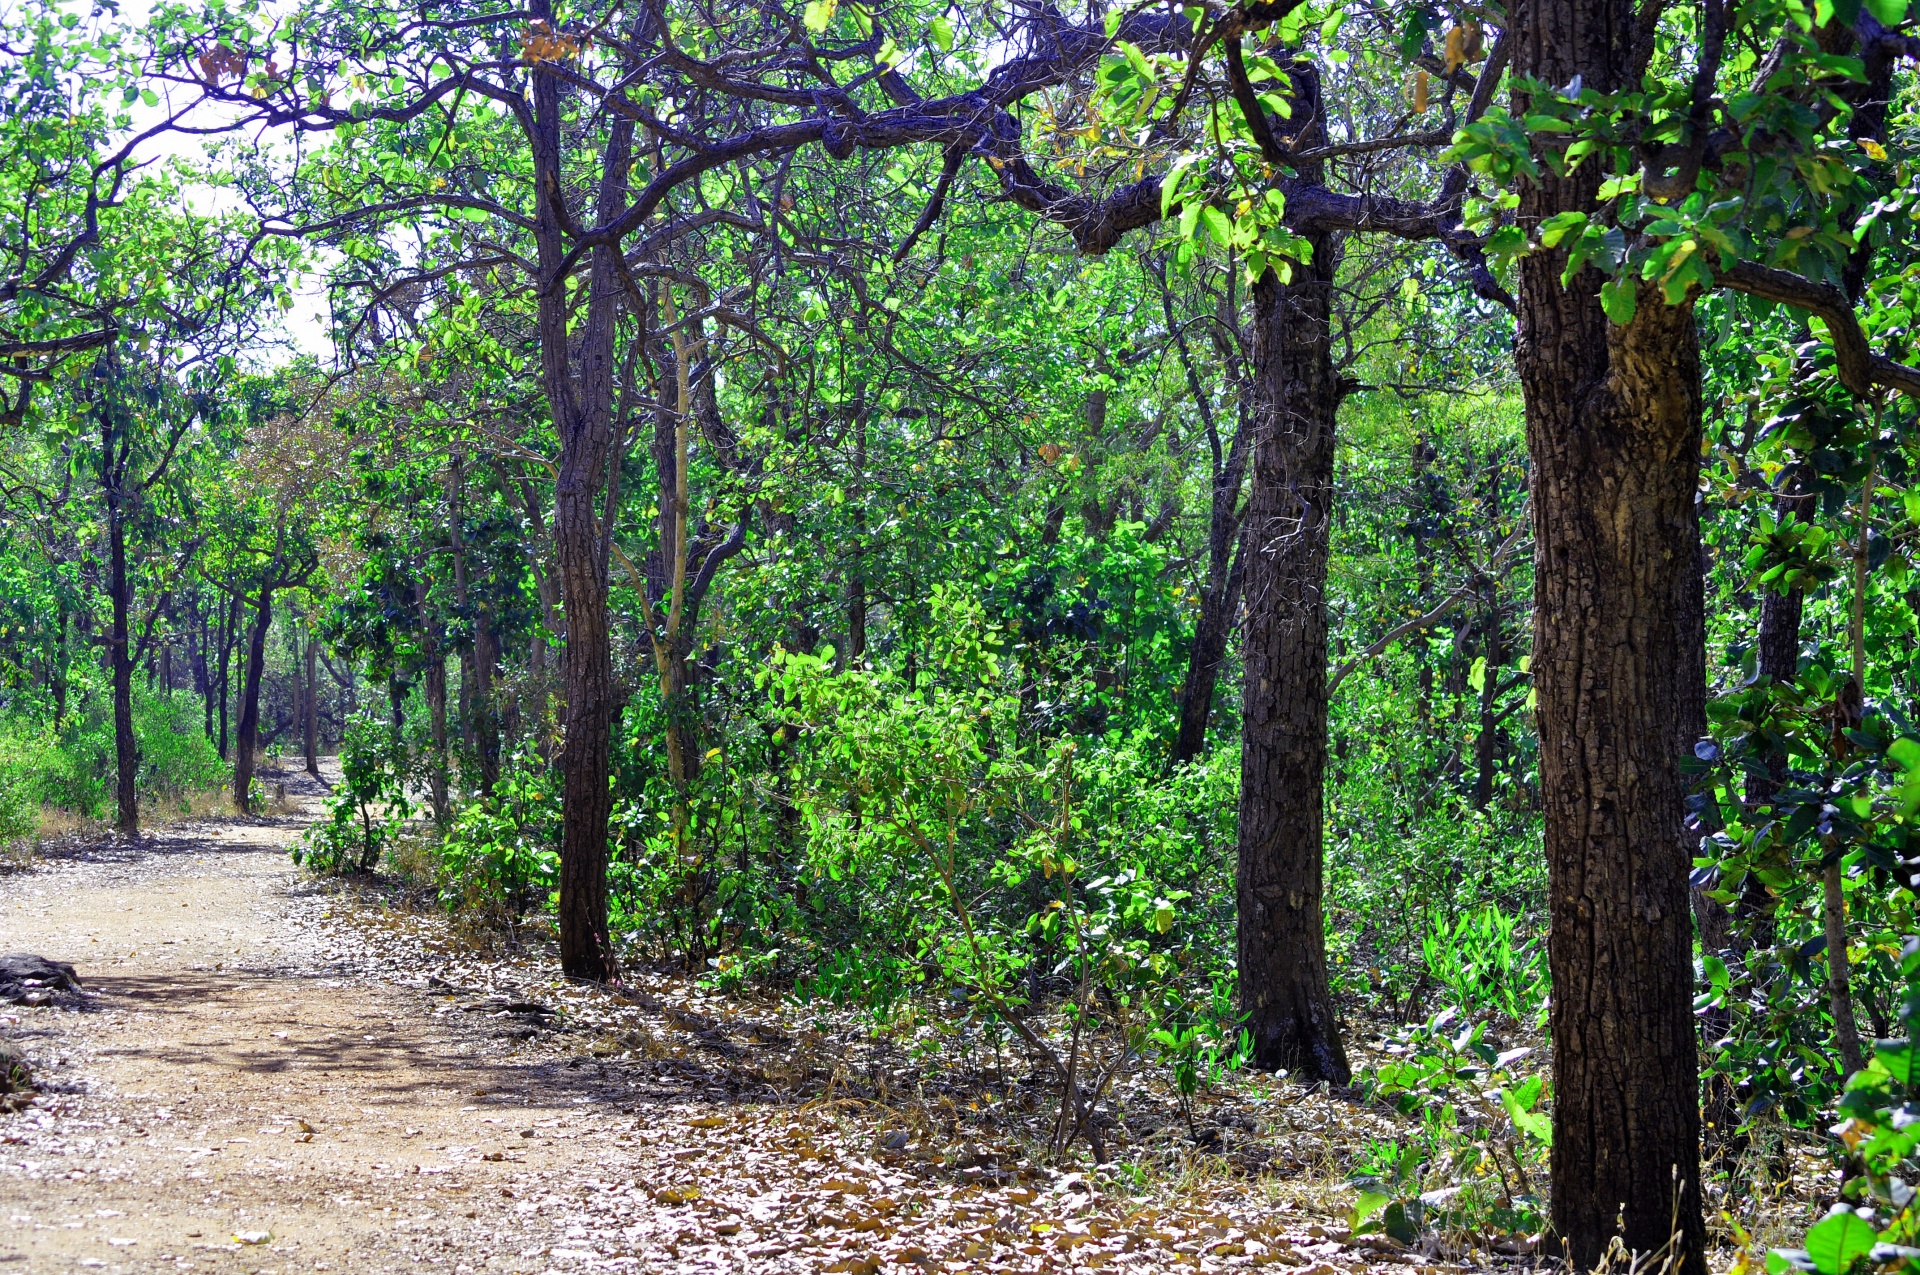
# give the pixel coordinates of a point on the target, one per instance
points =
(479, 724)
(1712, 921)
(434, 678)
(857, 576)
(1847, 715)
(1493, 650)
(126, 748)
(203, 673)
(247, 743)
(229, 632)
(1278, 882)
(1219, 601)
(577, 367)
(57, 675)
(313, 706)
(1613, 424)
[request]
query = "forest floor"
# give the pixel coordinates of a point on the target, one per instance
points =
(269, 1073)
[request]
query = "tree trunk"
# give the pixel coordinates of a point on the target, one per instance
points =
(1278, 882)
(434, 678)
(203, 673)
(1613, 423)
(857, 574)
(247, 744)
(229, 631)
(577, 373)
(313, 706)
(1219, 598)
(126, 749)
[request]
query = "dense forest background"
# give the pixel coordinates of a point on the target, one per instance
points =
(1035, 524)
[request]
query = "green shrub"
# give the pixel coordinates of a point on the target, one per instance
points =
(370, 806)
(175, 754)
(500, 850)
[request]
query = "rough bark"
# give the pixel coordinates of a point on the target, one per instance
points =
(1613, 424)
(126, 750)
(247, 743)
(1278, 882)
(577, 373)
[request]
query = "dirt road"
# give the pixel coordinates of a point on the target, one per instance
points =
(262, 1079)
(233, 1097)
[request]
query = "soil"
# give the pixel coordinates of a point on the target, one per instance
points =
(266, 1074)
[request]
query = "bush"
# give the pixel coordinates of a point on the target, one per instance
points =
(369, 807)
(73, 768)
(176, 756)
(499, 852)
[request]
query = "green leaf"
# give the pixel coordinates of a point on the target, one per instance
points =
(1365, 1207)
(1556, 227)
(1617, 298)
(1536, 1125)
(1217, 224)
(1477, 674)
(1905, 752)
(1839, 1241)
(1897, 1057)
(942, 31)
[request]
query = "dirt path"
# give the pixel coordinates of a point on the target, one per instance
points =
(246, 1088)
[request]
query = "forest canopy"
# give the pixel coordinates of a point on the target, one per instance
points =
(1292, 536)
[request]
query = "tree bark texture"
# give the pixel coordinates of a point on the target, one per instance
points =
(247, 743)
(126, 747)
(1613, 424)
(577, 372)
(1278, 882)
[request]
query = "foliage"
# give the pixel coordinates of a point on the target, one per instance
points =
(369, 806)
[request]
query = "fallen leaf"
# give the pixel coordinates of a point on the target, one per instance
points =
(252, 1237)
(706, 1122)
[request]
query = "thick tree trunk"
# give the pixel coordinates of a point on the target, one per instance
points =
(126, 748)
(586, 949)
(1613, 423)
(247, 744)
(1278, 884)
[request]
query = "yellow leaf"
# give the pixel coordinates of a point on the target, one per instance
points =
(1873, 149)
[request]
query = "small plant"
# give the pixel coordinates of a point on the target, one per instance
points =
(1876, 1222)
(500, 849)
(1482, 1128)
(368, 808)
(1477, 960)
